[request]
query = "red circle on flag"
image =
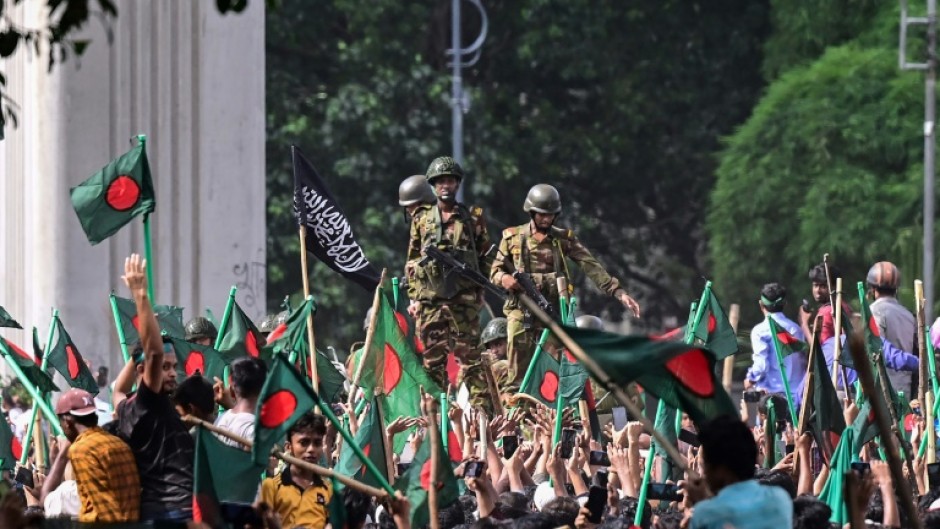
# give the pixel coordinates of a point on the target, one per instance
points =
(693, 372)
(16, 448)
(426, 475)
(419, 346)
(453, 447)
(549, 387)
(21, 352)
(873, 326)
(196, 361)
(278, 408)
(392, 369)
(402, 322)
(786, 338)
(570, 357)
(123, 193)
(367, 449)
(135, 321)
(251, 344)
(453, 368)
(712, 323)
(72, 358)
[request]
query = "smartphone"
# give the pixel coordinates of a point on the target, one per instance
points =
(689, 438)
(567, 443)
(663, 491)
(596, 504)
(789, 449)
(510, 445)
(402, 468)
(240, 514)
(860, 468)
(620, 417)
(24, 476)
(474, 469)
(598, 458)
(752, 396)
(933, 475)
(601, 477)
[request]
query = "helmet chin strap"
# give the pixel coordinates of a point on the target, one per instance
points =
(537, 228)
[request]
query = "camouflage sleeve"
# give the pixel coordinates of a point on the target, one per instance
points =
(499, 267)
(591, 267)
(414, 255)
(483, 244)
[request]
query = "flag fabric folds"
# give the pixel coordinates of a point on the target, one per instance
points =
(65, 358)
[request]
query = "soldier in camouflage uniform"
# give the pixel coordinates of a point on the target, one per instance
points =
(540, 248)
(447, 307)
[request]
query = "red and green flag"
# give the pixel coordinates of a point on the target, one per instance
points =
(7, 321)
(416, 482)
(370, 438)
(285, 397)
(221, 473)
(116, 194)
(240, 337)
(10, 448)
(169, 317)
(785, 343)
(826, 421)
(682, 375)
(833, 492)
(65, 358)
(715, 331)
(550, 376)
(194, 359)
(35, 376)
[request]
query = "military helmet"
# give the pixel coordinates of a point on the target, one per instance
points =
(494, 330)
(543, 198)
(443, 166)
(588, 321)
(268, 324)
(415, 190)
(884, 275)
(198, 328)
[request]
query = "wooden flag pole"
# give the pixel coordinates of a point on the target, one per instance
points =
(807, 391)
(386, 441)
(734, 315)
(33, 420)
(838, 332)
(930, 431)
(435, 458)
(370, 337)
(922, 370)
(883, 418)
(311, 337)
(287, 458)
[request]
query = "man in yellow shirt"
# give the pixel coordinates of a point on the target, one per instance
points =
(300, 497)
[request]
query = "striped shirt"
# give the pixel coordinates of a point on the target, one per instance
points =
(107, 478)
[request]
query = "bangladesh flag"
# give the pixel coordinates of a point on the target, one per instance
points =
(221, 473)
(785, 343)
(7, 321)
(416, 482)
(680, 374)
(715, 331)
(10, 448)
(193, 359)
(240, 337)
(113, 196)
(550, 375)
(865, 427)
(873, 343)
(826, 422)
(833, 491)
(369, 437)
(169, 317)
(34, 374)
(65, 358)
(285, 397)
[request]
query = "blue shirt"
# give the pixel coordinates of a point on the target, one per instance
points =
(765, 372)
(894, 359)
(745, 505)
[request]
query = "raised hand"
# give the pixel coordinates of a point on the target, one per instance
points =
(135, 274)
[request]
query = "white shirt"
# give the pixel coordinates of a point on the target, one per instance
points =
(63, 501)
(240, 423)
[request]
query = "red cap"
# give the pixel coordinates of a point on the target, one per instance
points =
(76, 402)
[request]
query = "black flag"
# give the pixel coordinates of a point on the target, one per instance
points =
(329, 235)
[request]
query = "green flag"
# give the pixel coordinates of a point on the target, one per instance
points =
(169, 317)
(785, 342)
(285, 397)
(113, 196)
(192, 359)
(221, 473)
(832, 492)
(826, 421)
(240, 337)
(680, 374)
(65, 358)
(10, 448)
(369, 437)
(416, 482)
(7, 321)
(35, 376)
(550, 375)
(715, 331)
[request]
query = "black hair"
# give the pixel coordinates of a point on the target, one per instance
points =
(357, 507)
(781, 409)
(728, 442)
(817, 274)
(538, 520)
(628, 507)
(386, 521)
(777, 478)
(486, 523)
(248, 375)
(925, 501)
(809, 512)
(514, 504)
(563, 509)
(468, 503)
(308, 423)
(876, 507)
(932, 520)
(195, 391)
(137, 352)
(773, 296)
(450, 516)
(88, 421)
(669, 520)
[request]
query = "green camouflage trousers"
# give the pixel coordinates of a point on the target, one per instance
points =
(454, 326)
(520, 347)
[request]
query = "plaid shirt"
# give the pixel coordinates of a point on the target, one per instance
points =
(107, 477)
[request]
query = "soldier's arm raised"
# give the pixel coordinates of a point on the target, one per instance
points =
(599, 275)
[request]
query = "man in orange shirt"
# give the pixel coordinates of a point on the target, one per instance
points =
(104, 466)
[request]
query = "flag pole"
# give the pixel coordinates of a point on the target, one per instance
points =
(838, 332)
(562, 284)
(35, 412)
(226, 316)
(922, 370)
(148, 243)
(881, 408)
(807, 391)
(386, 441)
(122, 339)
(370, 337)
(435, 458)
(734, 315)
(33, 392)
(931, 364)
(306, 281)
(783, 372)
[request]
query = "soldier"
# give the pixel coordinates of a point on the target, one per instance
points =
(201, 331)
(540, 249)
(493, 338)
(413, 192)
(447, 307)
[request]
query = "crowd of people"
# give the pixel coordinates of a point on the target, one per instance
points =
(130, 457)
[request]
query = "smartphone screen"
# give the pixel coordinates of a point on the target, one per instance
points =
(510, 445)
(860, 468)
(567, 443)
(689, 438)
(933, 475)
(24, 476)
(598, 458)
(790, 449)
(601, 477)
(596, 503)
(664, 491)
(474, 469)
(620, 418)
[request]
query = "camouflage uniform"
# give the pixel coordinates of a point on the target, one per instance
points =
(545, 262)
(449, 306)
